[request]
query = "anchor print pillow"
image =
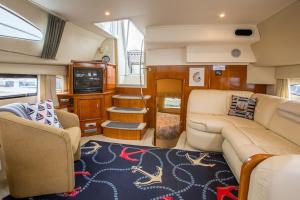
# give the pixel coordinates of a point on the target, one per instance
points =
(242, 107)
(43, 112)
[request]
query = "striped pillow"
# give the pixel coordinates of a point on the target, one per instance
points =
(242, 107)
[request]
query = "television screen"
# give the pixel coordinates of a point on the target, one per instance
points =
(88, 80)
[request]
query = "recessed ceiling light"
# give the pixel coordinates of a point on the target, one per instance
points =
(107, 13)
(222, 15)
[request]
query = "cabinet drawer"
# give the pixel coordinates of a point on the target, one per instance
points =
(90, 127)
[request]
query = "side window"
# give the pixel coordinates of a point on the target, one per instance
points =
(295, 89)
(60, 84)
(18, 85)
(14, 25)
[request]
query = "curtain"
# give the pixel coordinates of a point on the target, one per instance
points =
(53, 36)
(282, 88)
(48, 88)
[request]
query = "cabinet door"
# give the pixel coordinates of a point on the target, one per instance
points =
(90, 108)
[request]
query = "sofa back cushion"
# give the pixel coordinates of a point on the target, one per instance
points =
(265, 108)
(212, 101)
(286, 121)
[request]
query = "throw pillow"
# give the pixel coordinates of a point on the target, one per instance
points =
(242, 107)
(43, 112)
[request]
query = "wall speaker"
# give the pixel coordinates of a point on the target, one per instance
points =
(243, 32)
(236, 53)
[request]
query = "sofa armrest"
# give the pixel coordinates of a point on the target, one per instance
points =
(39, 158)
(276, 178)
(67, 119)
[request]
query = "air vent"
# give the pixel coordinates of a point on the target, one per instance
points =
(243, 32)
(236, 53)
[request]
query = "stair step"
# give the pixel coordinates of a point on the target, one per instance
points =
(133, 102)
(131, 115)
(123, 125)
(116, 109)
(123, 130)
(133, 97)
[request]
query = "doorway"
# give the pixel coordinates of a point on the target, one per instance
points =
(168, 112)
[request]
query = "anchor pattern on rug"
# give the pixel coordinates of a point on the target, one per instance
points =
(126, 155)
(92, 149)
(198, 161)
(152, 174)
(152, 178)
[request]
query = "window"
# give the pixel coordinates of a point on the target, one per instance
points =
(130, 50)
(59, 84)
(15, 26)
(172, 102)
(295, 89)
(14, 85)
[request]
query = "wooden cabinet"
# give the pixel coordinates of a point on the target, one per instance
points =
(91, 110)
(89, 107)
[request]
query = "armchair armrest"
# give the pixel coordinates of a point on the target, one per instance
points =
(67, 119)
(39, 158)
(276, 178)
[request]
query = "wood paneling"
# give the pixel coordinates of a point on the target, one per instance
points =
(233, 78)
(130, 103)
(123, 134)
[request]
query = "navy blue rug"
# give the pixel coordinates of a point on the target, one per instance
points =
(109, 171)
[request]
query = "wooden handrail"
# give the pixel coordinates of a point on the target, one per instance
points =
(247, 168)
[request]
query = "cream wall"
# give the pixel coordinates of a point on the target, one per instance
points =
(280, 38)
(260, 75)
(76, 43)
(178, 56)
(288, 72)
(108, 47)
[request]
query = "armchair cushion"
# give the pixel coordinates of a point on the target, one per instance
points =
(43, 112)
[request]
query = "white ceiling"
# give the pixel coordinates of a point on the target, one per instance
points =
(146, 13)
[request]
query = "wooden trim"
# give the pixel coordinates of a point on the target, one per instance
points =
(247, 168)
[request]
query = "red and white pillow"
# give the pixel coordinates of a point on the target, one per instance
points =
(43, 112)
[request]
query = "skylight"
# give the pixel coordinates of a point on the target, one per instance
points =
(130, 50)
(15, 26)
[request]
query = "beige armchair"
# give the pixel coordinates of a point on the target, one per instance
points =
(39, 159)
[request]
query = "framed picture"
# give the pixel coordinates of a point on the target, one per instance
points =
(197, 76)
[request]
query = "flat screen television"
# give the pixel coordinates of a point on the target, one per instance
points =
(87, 80)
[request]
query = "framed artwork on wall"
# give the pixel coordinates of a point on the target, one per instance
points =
(197, 76)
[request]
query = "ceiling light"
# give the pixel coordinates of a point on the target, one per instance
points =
(222, 15)
(107, 13)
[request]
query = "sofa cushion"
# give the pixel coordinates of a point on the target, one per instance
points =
(75, 135)
(207, 123)
(241, 122)
(43, 112)
(215, 123)
(212, 101)
(242, 107)
(251, 141)
(285, 121)
(265, 108)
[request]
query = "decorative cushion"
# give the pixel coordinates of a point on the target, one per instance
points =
(43, 112)
(242, 107)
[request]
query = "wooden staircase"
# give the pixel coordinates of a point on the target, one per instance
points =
(127, 117)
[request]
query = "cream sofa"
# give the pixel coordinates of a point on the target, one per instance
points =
(39, 159)
(275, 130)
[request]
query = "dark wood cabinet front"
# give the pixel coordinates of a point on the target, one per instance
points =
(89, 107)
